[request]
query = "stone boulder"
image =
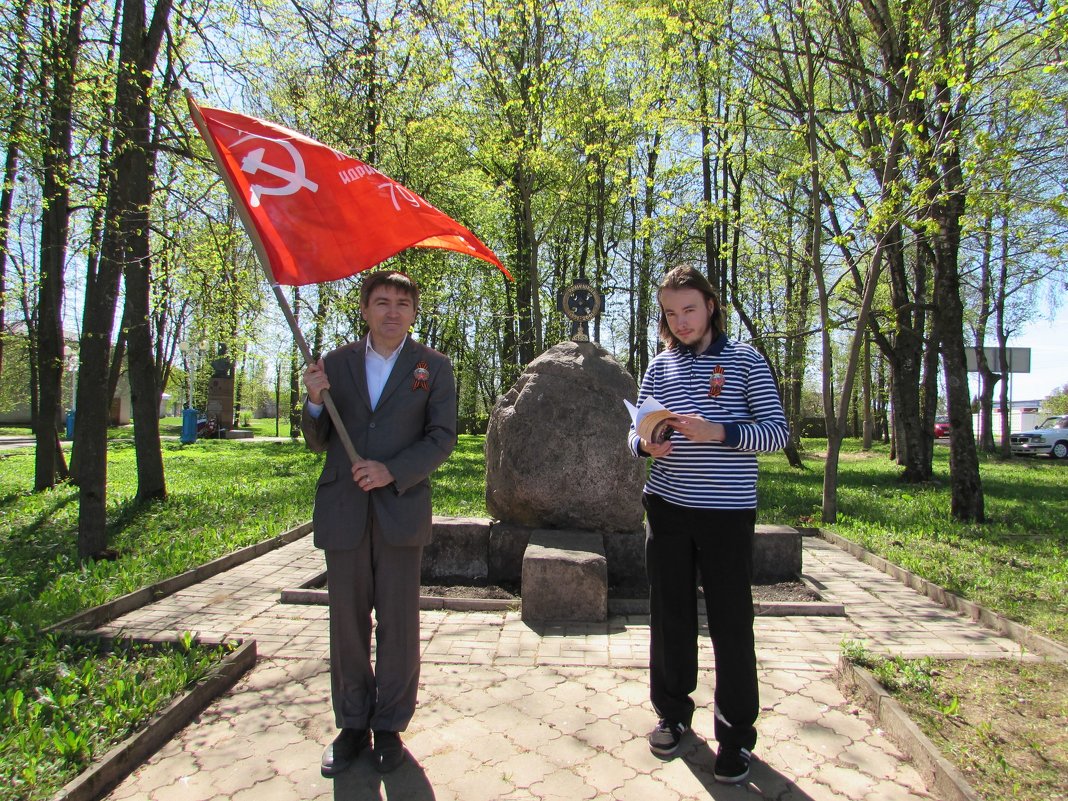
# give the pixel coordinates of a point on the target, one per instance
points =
(556, 446)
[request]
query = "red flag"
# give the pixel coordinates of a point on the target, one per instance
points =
(316, 214)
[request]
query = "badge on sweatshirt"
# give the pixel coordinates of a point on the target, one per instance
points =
(421, 376)
(716, 382)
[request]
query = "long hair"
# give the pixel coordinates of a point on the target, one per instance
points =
(686, 277)
(393, 278)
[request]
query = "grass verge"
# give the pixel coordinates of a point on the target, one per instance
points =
(65, 703)
(1015, 564)
(224, 495)
(1001, 723)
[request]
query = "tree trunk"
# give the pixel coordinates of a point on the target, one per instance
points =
(55, 224)
(946, 210)
(966, 486)
(906, 356)
(645, 262)
(11, 156)
(868, 413)
(98, 373)
(124, 250)
(138, 50)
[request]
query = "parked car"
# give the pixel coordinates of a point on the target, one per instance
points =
(1050, 437)
(941, 427)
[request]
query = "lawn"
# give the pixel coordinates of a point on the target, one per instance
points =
(1016, 563)
(223, 495)
(1001, 723)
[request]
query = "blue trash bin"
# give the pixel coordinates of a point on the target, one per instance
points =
(189, 426)
(70, 424)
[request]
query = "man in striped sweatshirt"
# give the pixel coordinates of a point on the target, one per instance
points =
(700, 501)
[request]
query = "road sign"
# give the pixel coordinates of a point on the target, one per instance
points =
(1017, 360)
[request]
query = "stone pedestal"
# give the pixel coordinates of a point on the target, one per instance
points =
(565, 577)
(460, 548)
(776, 554)
(220, 406)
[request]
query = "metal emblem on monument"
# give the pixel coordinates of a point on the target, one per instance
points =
(580, 302)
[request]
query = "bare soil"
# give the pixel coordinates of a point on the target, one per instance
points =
(471, 588)
(1003, 724)
(788, 591)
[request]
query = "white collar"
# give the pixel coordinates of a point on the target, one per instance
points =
(391, 356)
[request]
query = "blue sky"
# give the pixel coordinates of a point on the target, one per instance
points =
(1048, 341)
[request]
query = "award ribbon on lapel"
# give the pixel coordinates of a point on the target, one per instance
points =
(421, 374)
(716, 382)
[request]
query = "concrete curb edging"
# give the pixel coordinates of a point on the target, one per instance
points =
(104, 613)
(1014, 631)
(311, 592)
(104, 775)
(942, 777)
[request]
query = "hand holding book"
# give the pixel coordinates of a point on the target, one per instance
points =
(655, 424)
(652, 420)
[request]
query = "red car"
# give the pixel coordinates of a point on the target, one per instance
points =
(941, 427)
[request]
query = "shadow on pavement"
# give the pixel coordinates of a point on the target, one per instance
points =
(362, 782)
(764, 781)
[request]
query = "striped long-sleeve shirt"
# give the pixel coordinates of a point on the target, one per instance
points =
(730, 383)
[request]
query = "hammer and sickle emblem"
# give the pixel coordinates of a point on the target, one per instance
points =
(296, 179)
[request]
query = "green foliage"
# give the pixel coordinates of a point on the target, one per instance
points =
(1057, 402)
(64, 702)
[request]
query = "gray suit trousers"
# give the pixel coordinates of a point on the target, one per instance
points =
(384, 578)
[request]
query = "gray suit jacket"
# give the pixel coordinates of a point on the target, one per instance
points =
(412, 431)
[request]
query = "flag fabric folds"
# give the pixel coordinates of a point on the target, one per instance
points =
(315, 214)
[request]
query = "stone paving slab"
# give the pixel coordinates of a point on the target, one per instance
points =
(510, 732)
(510, 711)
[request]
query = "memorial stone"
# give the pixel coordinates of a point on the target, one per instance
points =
(556, 447)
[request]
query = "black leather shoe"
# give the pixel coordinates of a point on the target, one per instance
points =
(388, 751)
(345, 748)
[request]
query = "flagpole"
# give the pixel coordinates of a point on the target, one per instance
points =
(257, 244)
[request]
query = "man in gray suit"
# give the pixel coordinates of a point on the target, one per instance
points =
(397, 399)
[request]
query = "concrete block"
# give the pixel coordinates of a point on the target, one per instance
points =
(460, 547)
(625, 552)
(565, 577)
(776, 554)
(507, 543)
(238, 433)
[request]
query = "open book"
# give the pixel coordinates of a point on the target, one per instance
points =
(651, 420)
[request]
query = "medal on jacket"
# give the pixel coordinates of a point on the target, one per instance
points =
(716, 382)
(421, 376)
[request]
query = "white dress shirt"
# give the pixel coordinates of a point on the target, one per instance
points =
(377, 369)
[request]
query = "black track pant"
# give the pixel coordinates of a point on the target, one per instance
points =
(682, 542)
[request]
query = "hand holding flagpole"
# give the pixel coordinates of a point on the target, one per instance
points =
(316, 215)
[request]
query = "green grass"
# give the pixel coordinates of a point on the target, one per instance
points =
(1000, 722)
(1016, 563)
(221, 496)
(224, 495)
(65, 703)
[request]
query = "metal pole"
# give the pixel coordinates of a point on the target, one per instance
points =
(305, 351)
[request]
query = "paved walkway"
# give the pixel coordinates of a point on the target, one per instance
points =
(559, 712)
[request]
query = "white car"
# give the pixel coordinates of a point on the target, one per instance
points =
(1049, 437)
